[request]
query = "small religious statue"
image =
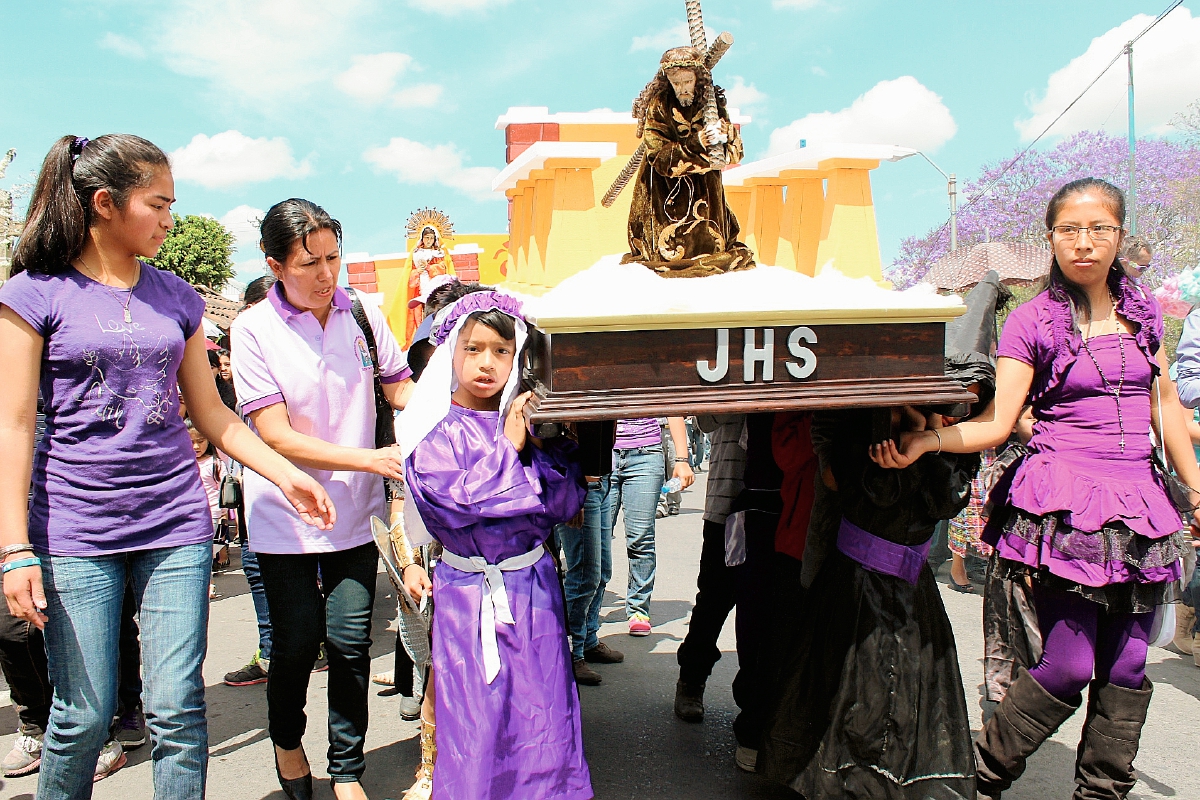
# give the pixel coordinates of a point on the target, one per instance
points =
(430, 229)
(679, 223)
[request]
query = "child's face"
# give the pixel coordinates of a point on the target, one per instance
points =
(199, 443)
(482, 363)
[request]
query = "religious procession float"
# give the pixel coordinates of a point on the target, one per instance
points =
(711, 285)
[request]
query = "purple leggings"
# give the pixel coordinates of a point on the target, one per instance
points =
(1080, 637)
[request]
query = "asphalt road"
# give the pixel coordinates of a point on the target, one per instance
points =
(635, 746)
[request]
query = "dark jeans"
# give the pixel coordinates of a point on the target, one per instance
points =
(715, 598)
(303, 614)
(259, 596)
(23, 661)
(129, 687)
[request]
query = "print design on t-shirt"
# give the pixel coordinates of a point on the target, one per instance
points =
(124, 379)
(364, 353)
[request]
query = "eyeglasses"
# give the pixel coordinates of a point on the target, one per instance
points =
(1097, 233)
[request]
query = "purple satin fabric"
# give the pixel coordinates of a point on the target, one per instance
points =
(519, 736)
(879, 555)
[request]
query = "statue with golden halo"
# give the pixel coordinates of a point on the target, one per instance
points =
(679, 223)
(429, 232)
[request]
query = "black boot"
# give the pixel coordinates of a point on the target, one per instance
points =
(689, 701)
(1026, 717)
(1115, 716)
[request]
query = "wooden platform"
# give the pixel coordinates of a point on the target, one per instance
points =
(622, 374)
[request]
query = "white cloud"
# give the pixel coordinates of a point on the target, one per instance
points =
(262, 50)
(232, 158)
(802, 5)
(243, 222)
(901, 112)
(455, 6)
(122, 45)
(1166, 76)
(423, 95)
(414, 162)
(372, 78)
(820, 73)
(742, 96)
(675, 36)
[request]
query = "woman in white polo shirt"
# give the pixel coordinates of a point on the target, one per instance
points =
(305, 377)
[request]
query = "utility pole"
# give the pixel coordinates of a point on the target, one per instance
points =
(1132, 195)
(952, 188)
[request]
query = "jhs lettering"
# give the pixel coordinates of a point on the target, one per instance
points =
(758, 360)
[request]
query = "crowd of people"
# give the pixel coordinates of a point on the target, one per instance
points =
(136, 452)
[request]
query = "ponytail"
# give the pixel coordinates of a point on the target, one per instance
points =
(60, 211)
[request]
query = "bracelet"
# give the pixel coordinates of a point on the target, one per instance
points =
(9, 549)
(939, 438)
(682, 461)
(32, 561)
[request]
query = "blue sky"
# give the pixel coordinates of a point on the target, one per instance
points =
(373, 108)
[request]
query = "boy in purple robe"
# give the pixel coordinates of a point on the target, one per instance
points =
(507, 705)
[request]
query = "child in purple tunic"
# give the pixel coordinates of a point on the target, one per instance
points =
(507, 705)
(1085, 517)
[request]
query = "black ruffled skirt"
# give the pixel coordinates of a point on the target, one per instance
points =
(871, 702)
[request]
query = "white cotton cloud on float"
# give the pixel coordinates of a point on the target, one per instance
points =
(417, 163)
(900, 111)
(1166, 74)
(232, 159)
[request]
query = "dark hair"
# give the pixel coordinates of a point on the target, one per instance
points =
(495, 319)
(294, 221)
(214, 358)
(1056, 283)
(60, 211)
(257, 289)
(191, 426)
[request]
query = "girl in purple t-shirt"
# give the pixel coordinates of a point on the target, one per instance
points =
(111, 341)
(1084, 516)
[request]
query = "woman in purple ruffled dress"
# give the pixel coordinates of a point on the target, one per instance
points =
(507, 706)
(1084, 515)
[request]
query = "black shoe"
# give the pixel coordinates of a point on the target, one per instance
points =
(585, 675)
(248, 675)
(296, 788)
(322, 662)
(689, 701)
(603, 654)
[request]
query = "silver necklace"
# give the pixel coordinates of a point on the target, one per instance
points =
(1108, 387)
(128, 297)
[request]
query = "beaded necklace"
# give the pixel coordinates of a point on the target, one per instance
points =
(1108, 387)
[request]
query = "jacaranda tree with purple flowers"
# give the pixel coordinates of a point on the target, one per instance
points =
(1168, 201)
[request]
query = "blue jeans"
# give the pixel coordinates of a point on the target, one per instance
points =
(588, 552)
(84, 598)
(635, 485)
(1191, 594)
(259, 595)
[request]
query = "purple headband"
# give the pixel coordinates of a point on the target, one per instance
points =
(77, 147)
(444, 321)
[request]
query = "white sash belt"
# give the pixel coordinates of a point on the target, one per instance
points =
(493, 603)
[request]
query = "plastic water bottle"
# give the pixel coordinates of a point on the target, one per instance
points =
(672, 486)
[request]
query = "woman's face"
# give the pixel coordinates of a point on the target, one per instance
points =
(142, 225)
(483, 360)
(1085, 258)
(226, 369)
(428, 239)
(309, 276)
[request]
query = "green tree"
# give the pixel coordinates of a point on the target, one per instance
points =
(199, 250)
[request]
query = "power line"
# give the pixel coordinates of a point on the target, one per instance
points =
(1071, 105)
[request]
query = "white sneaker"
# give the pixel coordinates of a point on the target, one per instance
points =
(746, 759)
(25, 758)
(112, 758)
